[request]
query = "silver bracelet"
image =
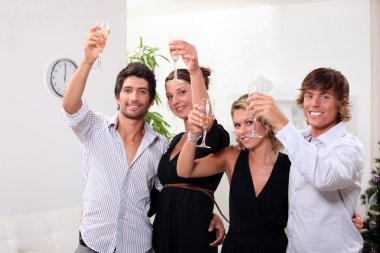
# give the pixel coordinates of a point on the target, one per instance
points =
(193, 138)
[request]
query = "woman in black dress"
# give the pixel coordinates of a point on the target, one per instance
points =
(183, 215)
(258, 177)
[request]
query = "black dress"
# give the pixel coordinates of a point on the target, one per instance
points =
(182, 215)
(258, 223)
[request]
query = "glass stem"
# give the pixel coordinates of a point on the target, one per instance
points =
(204, 136)
(254, 126)
(100, 58)
(175, 71)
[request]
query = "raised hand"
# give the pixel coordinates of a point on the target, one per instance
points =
(264, 106)
(93, 40)
(195, 120)
(188, 53)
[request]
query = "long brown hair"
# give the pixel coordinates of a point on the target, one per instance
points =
(183, 74)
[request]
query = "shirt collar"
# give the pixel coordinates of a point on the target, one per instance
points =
(328, 137)
(114, 120)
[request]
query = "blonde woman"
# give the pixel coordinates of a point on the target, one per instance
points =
(258, 177)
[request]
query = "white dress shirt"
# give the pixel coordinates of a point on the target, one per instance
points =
(324, 185)
(116, 196)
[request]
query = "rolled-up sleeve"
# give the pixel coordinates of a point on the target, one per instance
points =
(84, 122)
(76, 118)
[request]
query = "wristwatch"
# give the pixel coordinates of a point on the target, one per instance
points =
(193, 138)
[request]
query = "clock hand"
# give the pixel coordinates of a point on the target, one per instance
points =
(64, 78)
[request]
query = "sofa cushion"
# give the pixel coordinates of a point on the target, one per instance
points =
(53, 231)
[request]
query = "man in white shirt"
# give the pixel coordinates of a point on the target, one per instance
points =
(327, 165)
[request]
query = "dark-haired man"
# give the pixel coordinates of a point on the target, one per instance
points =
(119, 157)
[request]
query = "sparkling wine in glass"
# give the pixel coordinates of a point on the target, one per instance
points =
(103, 28)
(254, 87)
(207, 107)
(174, 54)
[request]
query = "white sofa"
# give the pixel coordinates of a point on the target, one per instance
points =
(53, 231)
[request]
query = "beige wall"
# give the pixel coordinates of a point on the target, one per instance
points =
(375, 78)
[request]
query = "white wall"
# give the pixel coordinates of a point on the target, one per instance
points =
(39, 154)
(284, 43)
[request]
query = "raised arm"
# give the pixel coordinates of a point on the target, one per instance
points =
(265, 106)
(331, 171)
(190, 58)
(212, 164)
(339, 168)
(72, 98)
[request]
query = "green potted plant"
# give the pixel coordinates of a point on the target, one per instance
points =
(148, 55)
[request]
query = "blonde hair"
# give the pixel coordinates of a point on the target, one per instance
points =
(242, 103)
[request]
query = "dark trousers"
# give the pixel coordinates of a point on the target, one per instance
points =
(83, 248)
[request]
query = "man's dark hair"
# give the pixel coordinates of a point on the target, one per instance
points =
(140, 70)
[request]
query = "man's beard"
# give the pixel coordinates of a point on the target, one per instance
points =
(136, 115)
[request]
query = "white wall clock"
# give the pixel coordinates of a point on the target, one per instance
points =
(59, 74)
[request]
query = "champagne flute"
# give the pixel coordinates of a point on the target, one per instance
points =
(103, 28)
(254, 88)
(174, 54)
(207, 107)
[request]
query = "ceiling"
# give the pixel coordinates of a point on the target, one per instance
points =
(145, 8)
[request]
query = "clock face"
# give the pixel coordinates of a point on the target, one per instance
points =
(59, 74)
